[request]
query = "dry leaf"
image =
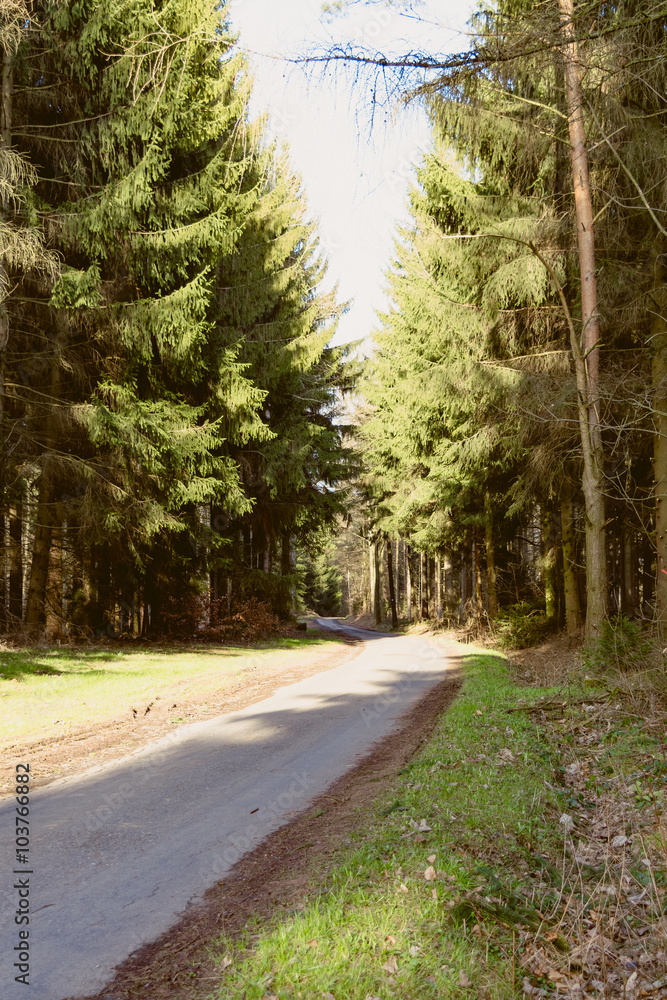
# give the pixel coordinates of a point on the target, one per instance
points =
(555, 976)
(429, 874)
(477, 712)
(390, 939)
(463, 979)
(391, 966)
(424, 827)
(313, 943)
(506, 756)
(402, 887)
(434, 893)
(226, 962)
(328, 996)
(619, 841)
(414, 950)
(631, 984)
(431, 858)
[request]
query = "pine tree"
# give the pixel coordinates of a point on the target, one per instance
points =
(136, 119)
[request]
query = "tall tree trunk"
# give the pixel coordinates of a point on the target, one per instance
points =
(408, 579)
(587, 356)
(571, 585)
(491, 581)
(438, 587)
(16, 564)
(392, 589)
(549, 565)
(35, 601)
(630, 594)
(424, 585)
(372, 577)
(5, 143)
(659, 378)
(54, 587)
(479, 597)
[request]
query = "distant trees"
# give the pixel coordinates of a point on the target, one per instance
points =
(170, 398)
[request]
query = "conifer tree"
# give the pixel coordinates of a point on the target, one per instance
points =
(136, 119)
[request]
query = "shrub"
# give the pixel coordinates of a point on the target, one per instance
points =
(621, 645)
(521, 625)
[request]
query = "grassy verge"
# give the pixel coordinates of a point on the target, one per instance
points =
(478, 873)
(49, 690)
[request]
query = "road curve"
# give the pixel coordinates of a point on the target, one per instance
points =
(118, 852)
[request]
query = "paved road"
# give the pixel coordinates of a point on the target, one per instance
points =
(118, 852)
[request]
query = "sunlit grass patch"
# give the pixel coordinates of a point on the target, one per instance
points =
(43, 691)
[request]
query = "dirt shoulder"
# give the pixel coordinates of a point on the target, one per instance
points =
(274, 878)
(74, 751)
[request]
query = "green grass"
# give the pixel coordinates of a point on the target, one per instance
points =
(489, 820)
(45, 691)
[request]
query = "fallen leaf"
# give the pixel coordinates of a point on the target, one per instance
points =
(414, 950)
(431, 858)
(402, 887)
(477, 712)
(620, 840)
(424, 827)
(434, 893)
(391, 966)
(226, 962)
(390, 939)
(313, 943)
(631, 983)
(328, 996)
(506, 756)
(463, 979)
(429, 874)
(555, 976)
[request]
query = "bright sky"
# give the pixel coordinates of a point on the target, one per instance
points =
(355, 178)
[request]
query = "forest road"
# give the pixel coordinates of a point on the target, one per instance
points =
(117, 853)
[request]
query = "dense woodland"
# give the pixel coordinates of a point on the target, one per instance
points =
(169, 398)
(178, 435)
(513, 431)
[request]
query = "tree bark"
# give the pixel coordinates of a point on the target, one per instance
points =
(408, 579)
(424, 586)
(588, 358)
(377, 559)
(392, 589)
(479, 597)
(34, 611)
(629, 597)
(491, 579)
(570, 581)
(549, 565)
(659, 379)
(15, 564)
(54, 588)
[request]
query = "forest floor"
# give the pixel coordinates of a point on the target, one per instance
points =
(68, 709)
(514, 844)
